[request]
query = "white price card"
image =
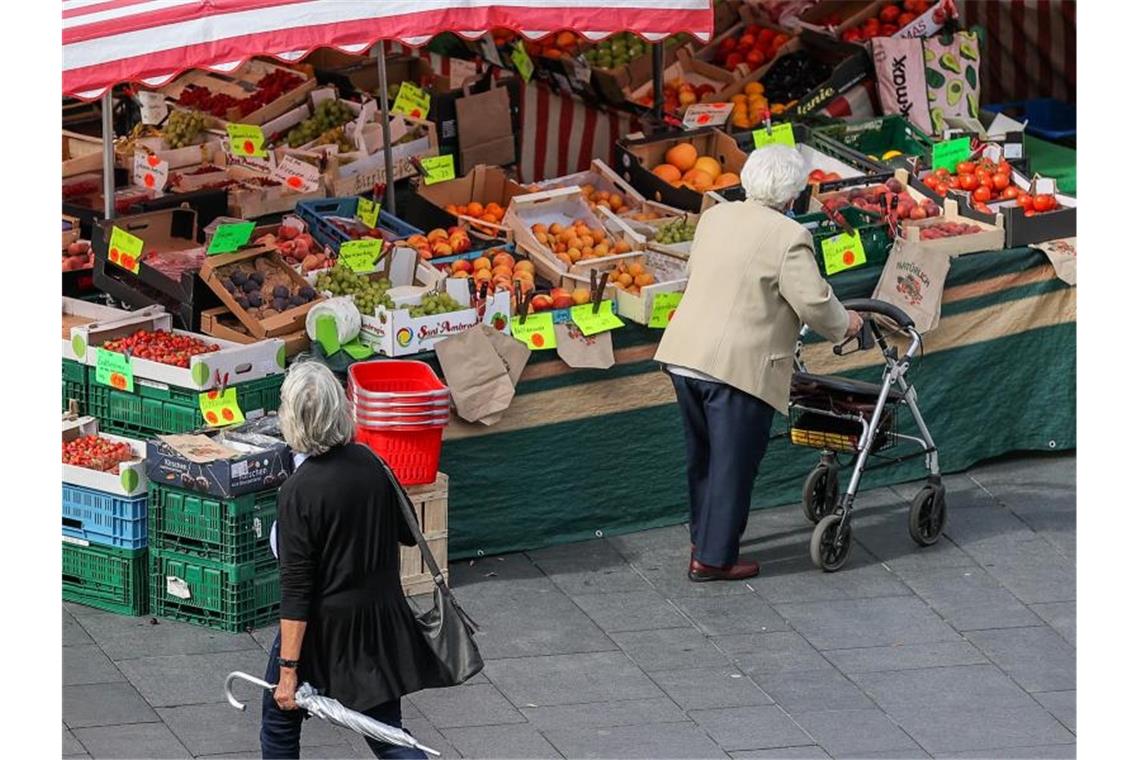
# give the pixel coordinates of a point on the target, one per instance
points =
(153, 107)
(706, 115)
(297, 175)
(149, 171)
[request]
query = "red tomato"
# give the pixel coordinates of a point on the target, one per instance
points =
(983, 208)
(727, 45)
(911, 5)
(853, 35)
(746, 41)
(755, 58)
(1004, 167)
(1008, 193)
(967, 167)
(1025, 201)
(733, 60)
(765, 35)
(1044, 202)
(955, 182)
(942, 172)
(930, 180)
(755, 30)
(968, 181)
(904, 19)
(942, 189)
(890, 14)
(1030, 212)
(888, 30)
(1001, 181)
(982, 195)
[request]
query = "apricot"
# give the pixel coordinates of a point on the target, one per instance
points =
(667, 172)
(524, 266)
(709, 166)
(580, 296)
(636, 269)
(682, 155)
(503, 259)
(538, 228)
(642, 280)
(475, 208)
(481, 263)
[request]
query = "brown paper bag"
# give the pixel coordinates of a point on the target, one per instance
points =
(1063, 256)
(581, 352)
(486, 135)
(475, 374)
(514, 354)
(912, 280)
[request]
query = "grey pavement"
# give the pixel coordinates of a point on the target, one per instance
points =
(604, 649)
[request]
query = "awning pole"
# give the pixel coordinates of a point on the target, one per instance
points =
(108, 156)
(389, 169)
(658, 81)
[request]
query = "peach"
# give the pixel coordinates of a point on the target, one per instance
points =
(462, 265)
(525, 266)
(482, 275)
(667, 172)
(437, 234)
(580, 296)
(443, 249)
(502, 270)
(682, 155)
(503, 259)
(481, 263)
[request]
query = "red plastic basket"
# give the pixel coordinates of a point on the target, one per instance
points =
(403, 377)
(412, 455)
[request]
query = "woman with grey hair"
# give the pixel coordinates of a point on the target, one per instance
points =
(345, 625)
(753, 280)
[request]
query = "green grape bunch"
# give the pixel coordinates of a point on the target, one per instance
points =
(327, 116)
(183, 127)
(366, 293)
(676, 231)
(435, 303)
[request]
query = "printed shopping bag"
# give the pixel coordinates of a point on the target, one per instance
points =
(953, 84)
(912, 280)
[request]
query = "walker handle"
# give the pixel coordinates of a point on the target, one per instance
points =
(882, 308)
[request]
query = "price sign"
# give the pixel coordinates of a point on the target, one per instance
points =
(152, 106)
(361, 255)
(522, 63)
(114, 369)
(537, 332)
(297, 175)
(228, 238)
(706, 115)
(781, 134)
(664, 304)
(949, 152)
(590, 323)
(125, 250)
(150, 171)
(438, 168)
(843, 252)
(412, 101)
(367, 211)
(220, 409)
(246, 140)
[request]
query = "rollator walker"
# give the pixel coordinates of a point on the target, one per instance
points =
(840, 415)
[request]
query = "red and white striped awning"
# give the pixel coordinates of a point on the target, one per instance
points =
(107, 42)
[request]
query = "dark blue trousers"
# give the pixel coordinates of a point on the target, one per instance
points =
(726, 435)
(281, 729)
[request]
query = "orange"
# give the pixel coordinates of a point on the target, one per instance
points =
(728, 179)
(682, 155)
(474, 208)
(667, 172)
(698, 180)
(753, 88)
(642, 280)
(709, 166)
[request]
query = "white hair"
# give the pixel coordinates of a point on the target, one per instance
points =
(774, 175)
(314, 410)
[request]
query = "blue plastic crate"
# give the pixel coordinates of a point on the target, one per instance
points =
(103, 518)
(1048, 119)
(316, 215)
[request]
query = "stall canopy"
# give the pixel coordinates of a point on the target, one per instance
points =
(107, 42)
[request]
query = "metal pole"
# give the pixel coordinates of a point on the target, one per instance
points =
(389, 168)
(108, 156)
(658, 81)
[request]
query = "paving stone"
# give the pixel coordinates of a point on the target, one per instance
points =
(87, 664)
(1060, 751)
(670, 649)
(1062, 616)
(672, 540)
(778, 652)
(866, 622)
(784, 753)
(796, 579)
(424, 732)
(265, 636)
(754, 727)
(1062, 705)
(1038, 470)
(491, 574)
(180, 679)
(124, 637)
(1035, 572)
(461, 706)
(812, 690)
(629, 712)
(970, 599)
(71, 745)
(855, 733)
(142, 740)
(906, 656)
(696, 688)
(217, 728)
(73, 632)
(723, 615)
(1037, 658)
(588, 567)
(631, 611)
(961, 688)
(659, 742)
(569, 678)
(945, 730)
(500, 742)
(104, 704)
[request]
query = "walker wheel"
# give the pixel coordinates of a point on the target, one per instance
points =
(831, 546)
(821, 491)
(928, 515)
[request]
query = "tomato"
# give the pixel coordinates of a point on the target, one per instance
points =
(942, 189)
(1030, 212)
(1009, 193)
(905, 19)
(942, 172)
(967, 167)
(982, 195)
(853, 35)
(746, 41)
(1004, 167)
(890, 14)
(888, 30)
(968, 181)
(955, 182)
(1025, 201)
(930, 180)
(1044, 202)
(1001, 181)
(983, 208)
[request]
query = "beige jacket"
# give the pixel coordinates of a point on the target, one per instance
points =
(753, 280)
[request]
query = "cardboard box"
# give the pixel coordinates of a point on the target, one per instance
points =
(210, 150)
(203, 176)
(129, 478)
(637, 157)
(694, 71)
(172, 231)
(240, 83)
(747, 16)
(220, 323)
(600, 176)
(250, 198)
(70, 230)
(612, 85)
(852, 14)
(996, 128)
(82, 315)
(991, 238)
(485, 184)
(679, 250)
(358, 172)
(239, 468)
(286, 322)
(819, 196)
(668, 271)
(81, 154)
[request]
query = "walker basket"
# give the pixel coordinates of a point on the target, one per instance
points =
(815, 430)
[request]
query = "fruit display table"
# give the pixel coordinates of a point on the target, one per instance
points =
(998, 375)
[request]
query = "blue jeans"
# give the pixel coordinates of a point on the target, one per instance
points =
(281, 729)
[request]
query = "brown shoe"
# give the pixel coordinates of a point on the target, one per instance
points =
(699, 572)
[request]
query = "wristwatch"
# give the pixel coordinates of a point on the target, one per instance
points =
(283, 663)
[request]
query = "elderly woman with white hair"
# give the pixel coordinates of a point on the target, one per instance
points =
(753, 280)
(345, 625)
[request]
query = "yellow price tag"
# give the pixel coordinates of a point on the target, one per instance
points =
(367, 211)
(590, 323)
(125, 250)
(537, 332)
(114, 369)
(664, 304)
(220, 408)
(781, 135)
(246, 140)
(438, 168)
(361, 255)
(522, 61)
(412, 101)
(843, 252)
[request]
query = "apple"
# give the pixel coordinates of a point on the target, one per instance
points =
(542, 302)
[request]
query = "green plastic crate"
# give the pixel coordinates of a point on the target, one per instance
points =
(110, 579)
(223, 530)
(223, 596)
(871, 227)
(151, 411)
(74, 384)
(872, 138)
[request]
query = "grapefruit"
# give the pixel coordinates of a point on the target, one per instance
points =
(682, 155)
(667, 172)
(699, 180)
(709, 166)
(727, 179)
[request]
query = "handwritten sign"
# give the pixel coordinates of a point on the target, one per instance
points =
(523, 64)
(843, 252)
(438, 168)
(246, 140)
(537, 332)
(781, 134)
(590, 323)
(664, 304)
(367, 211)
(949, 152)
(114, 369)
(361, 255)
(706, 115)
(125, 250)
(412, 101)
(152, 106)
(150, 171)
(228, 238)
(297, 175)
(220, 409)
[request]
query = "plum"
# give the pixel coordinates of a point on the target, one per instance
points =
(281, 291)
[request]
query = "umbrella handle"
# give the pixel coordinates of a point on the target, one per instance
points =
(245, 677)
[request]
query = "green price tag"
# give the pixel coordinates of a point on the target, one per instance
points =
(229, 237)
(114, 369)
(219, 409)
(949, 152)
(843, 252)
(438, 168)
(361, 255)
(664, 304)
(327, 334)
(246, 140)
(781, 135)
(357, 350)
(590, 323)
(125, 250)
(522, 63)
(367, 211)
(537, 332)
(412, 101)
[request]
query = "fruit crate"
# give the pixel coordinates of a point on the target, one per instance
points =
(318, 213)
(155, 409)
(430, 504)
(222, 530)
(224, 596)
(871, 227)
(109, 579)
(869, 140)
(104, 518)
(74, 385)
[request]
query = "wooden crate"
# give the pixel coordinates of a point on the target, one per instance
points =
(430, 502)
